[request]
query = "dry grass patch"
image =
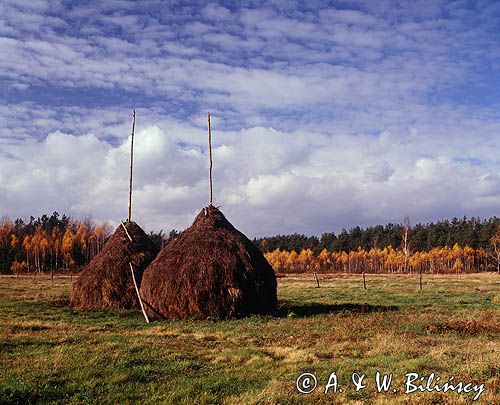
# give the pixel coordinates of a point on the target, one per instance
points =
(50, 354)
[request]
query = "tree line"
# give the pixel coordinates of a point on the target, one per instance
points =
(473, 232)
(388, 260)
(53, 243)
(403, 249)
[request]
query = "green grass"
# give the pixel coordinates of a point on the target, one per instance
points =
(51, 354)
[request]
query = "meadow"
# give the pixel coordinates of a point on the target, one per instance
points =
(52, 354)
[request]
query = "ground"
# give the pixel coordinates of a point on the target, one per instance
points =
(49, 353)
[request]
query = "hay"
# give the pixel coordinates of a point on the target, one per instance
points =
(210, 271)
(106, 282)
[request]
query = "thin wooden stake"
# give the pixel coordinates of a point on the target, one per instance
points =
(133, 278)
(317, 279)
(124, 227)
(364, 281)
(420, 280)
(138, 295)
(210, 156)
(131, 170)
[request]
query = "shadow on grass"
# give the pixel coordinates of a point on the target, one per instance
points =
(59, 302)
(285, 309)
(288, 309)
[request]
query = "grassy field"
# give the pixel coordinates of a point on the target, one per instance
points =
(49, 353)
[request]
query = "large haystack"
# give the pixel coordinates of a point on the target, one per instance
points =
(210, 271)
(106, 282)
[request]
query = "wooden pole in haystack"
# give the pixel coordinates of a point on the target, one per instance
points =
(210, 157)
(128, 235)
(133, 277)
(129, 218)
(138, 294)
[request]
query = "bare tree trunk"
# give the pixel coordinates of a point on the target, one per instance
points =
(406, 241)
(495, 243)
(131, 171)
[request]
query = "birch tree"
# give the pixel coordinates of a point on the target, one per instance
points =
(406, 241)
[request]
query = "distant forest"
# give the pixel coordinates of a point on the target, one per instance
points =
(54, 243)
(473, 232)
(60, 243)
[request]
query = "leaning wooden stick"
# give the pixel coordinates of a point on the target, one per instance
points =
(133, 278)
(131, 170)
(210, 156)
(138, 295)
(128, 235)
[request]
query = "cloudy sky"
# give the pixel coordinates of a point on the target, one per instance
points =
(339, 114)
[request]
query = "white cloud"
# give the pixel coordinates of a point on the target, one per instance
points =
(266, 181)
(379, 171)
(216, 12)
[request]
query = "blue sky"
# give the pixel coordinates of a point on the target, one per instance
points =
(335, 115)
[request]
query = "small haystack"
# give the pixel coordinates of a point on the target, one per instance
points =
(210, 271)
(106, 282)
